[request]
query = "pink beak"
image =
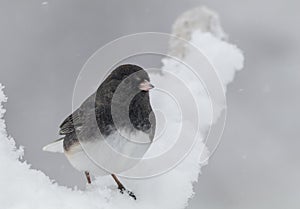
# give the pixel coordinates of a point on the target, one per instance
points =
(146, 86)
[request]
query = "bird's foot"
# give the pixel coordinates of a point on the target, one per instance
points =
(131, 194)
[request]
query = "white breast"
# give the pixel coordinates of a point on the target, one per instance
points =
(114, 154)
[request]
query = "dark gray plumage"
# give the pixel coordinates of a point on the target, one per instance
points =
(99, 104)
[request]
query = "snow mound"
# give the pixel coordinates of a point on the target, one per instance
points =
(24, 188)
(201, 19)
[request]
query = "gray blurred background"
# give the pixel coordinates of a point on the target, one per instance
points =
(43, 47)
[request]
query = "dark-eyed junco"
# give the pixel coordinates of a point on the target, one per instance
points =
(122, 111)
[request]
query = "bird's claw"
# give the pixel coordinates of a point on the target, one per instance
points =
(131, 194)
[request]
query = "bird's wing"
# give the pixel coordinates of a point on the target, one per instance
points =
(94, 103)
(77, 118)
(68, 125)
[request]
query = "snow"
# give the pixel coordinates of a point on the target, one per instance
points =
(22, 187)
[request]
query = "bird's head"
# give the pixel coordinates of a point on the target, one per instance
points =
(133, 76)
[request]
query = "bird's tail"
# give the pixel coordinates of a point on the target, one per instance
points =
(56, 146)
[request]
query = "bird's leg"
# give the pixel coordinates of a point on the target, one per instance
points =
(120, 185)
(122, 188)
(88, 177)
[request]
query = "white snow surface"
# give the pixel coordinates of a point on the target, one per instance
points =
(22, 187)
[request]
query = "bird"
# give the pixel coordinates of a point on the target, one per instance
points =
(118, 113)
